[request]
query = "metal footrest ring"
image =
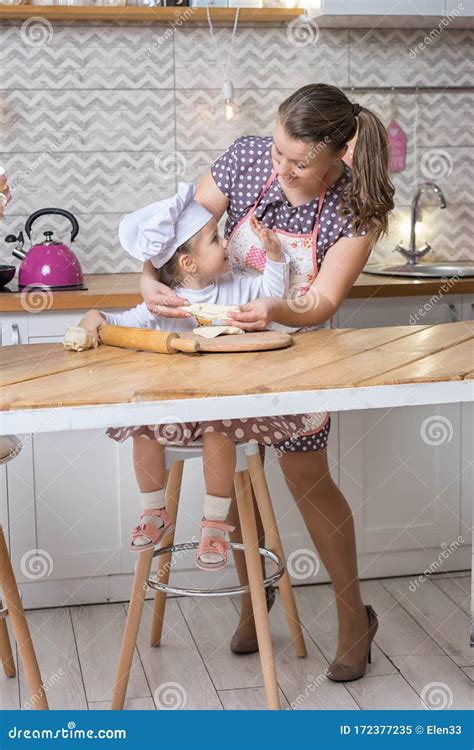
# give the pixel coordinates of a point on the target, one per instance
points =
(229, 590)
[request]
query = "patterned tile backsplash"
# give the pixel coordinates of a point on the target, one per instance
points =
(102, 119)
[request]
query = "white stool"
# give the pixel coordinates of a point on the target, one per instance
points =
(9, 449)
(249, 475)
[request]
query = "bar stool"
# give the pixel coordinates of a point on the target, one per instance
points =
(9, 449)
(249, 475)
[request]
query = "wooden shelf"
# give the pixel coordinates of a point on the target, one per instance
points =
(126, 13)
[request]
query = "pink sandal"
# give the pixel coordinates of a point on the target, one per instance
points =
(152, 532)
(214, 545)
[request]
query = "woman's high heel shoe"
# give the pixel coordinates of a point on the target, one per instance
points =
(249, 645)
(339, 672)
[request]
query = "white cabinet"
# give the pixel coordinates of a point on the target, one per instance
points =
(401, 468)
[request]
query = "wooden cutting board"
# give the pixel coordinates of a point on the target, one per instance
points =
(243, 342)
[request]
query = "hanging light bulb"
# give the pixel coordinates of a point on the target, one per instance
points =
(231, 108)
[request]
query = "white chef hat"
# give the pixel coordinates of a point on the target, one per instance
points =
(156, 231)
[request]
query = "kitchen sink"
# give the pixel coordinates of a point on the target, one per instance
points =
(424, 270)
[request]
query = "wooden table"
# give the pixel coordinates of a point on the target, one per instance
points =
(43, 388)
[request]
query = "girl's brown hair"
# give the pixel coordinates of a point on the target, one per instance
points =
(322, 113)
(170, 274)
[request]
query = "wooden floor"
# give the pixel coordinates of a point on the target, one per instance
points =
(422, 656)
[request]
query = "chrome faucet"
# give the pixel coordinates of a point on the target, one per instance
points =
(412, 254)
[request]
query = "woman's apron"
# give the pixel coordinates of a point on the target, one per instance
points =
(248, 257)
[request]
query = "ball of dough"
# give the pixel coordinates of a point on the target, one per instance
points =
(77, 339)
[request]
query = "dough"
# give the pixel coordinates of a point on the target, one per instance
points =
(77, 339)
(210, 332)
(206, 313)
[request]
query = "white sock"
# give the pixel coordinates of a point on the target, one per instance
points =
(215, 509)
(150, 501)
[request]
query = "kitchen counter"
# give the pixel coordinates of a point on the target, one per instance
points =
(121, 290)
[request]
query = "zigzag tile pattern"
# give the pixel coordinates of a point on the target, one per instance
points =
(101, 119)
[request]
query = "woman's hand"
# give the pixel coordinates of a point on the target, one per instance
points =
(256, 315)
(5, 195)
(161, 300)
(268, 238)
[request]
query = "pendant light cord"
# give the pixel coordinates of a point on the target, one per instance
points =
(234, 30)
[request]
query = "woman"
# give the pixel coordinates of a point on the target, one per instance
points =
(331, 217)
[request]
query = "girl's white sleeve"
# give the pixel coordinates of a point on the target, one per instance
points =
(137, 317)
(273, 282)
(138, 233)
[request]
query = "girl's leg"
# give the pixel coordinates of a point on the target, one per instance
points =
(149, 465)
(329, 521)
(219, 469)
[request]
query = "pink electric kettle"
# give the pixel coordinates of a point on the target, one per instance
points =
(50, 264)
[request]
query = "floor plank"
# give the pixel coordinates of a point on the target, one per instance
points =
(175, 670)
(248, 699)
(99, 629)
(55, 646)
(439, 682)
(398, 632)
(9, 686)
(390, 691)
(435, 612)
(317, 608)
(459, 590)
(212, 623)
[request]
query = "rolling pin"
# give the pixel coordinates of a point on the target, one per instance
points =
(146, 341)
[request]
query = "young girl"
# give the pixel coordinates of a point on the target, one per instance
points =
(183, 239)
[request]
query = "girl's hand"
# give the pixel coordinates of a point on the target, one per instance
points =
(92, 322)
(268, 238)
(5, 195)
(161, 300)
(254, 316)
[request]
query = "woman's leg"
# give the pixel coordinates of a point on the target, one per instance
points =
(329, 521)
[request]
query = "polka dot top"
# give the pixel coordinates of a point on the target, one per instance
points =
(241, 173)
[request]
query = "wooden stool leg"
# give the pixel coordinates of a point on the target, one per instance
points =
(20, 627)
(135, 609)
(273, 543)
(173, 489)
(6, 654)
(257, 591)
